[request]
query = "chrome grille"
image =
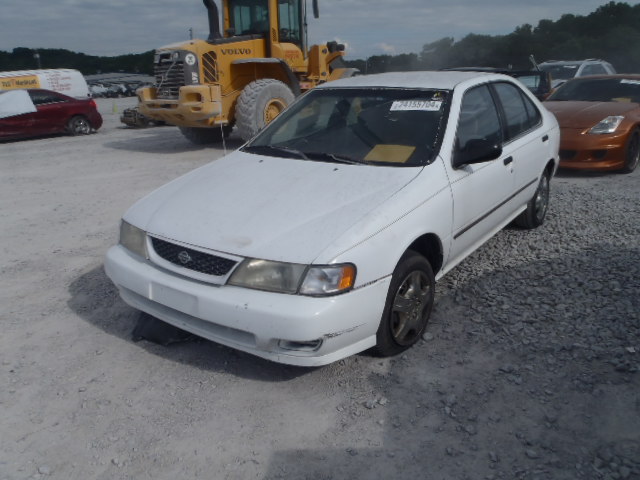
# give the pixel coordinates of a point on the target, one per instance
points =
(169, 78)
(192, 259)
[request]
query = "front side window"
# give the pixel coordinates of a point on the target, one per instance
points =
(478, 119)
(41, 98)
(385, 126)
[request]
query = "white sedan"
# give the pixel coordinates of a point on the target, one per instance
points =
(323, 236)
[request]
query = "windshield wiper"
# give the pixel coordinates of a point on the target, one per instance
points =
(266, 149)
(334, 157)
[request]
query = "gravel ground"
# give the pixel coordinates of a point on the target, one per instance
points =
(529, 369)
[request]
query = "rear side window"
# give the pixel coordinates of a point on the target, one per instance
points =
(594, 69)
(41, 98)
(520, 113)
(478, 118)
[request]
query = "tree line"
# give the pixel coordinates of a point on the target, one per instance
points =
(25, 59)
(611, 32)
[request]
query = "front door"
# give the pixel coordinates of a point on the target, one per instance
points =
(480, 191)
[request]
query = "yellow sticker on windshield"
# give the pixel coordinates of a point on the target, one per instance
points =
(422, 105)
(390, 153)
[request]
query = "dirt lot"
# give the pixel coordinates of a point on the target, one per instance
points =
(529, 369)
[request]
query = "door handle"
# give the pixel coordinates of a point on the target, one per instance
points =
(507, 160)
(545, 138)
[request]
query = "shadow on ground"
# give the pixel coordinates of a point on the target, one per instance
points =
(164, 140)
(95, 299)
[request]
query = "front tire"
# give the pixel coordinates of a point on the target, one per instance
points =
(408, 306)
(536, 210)
(79, 125)
(259, 103)
(205, 136)
(632, 154)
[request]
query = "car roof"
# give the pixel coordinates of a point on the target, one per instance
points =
(630, 76)
(442, 80)
(572, 62)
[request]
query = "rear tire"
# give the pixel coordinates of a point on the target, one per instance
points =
(79, 125)
(259, 103)
(632, 154)
(536, 210)
(408, 306)
(205, 136)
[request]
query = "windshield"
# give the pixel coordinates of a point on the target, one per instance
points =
(563, 72)
(399, 127)
(252, 17)
(599, 90)
(249, 17)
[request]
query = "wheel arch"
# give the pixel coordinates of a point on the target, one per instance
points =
(551, 167)
(69, 123)
(274, 68)
(429, 246)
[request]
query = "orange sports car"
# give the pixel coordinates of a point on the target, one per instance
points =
(599, 119)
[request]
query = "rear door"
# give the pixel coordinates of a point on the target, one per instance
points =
(525, 141)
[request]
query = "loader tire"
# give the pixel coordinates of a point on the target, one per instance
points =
(259, 103)
(205, 136)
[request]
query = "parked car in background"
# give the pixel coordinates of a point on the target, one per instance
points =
(599, 119)
(563, 70)
(538, 81)
(30, 113)
(324, 235)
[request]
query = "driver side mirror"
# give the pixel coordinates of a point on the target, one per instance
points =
(476, 151)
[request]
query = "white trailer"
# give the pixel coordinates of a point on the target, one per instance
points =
(66, 81)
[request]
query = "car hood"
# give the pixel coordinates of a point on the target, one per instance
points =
(267, 207)
(573, 114)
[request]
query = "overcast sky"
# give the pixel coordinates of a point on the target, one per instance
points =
(367, 27)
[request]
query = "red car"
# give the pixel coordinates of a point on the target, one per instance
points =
(46, 112)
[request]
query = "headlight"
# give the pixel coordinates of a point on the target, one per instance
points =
(267, 275)
(288, 277)
(133, 239)
(608, 125)
(328, 279)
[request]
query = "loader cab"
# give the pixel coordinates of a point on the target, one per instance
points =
(251, 17)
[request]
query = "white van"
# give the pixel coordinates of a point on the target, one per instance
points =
(66, 81)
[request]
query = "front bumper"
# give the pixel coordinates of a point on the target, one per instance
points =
(591, 152)
(250, 320)
(196, 106)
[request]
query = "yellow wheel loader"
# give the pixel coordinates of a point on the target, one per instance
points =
(243, 76)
